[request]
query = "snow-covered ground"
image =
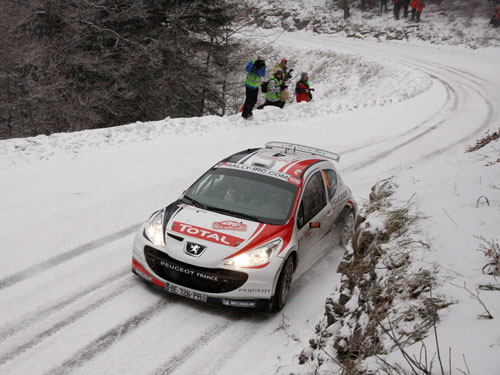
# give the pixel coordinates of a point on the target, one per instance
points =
(443, 24)
(70, 205)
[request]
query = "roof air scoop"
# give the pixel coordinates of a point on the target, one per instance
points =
(264, 163)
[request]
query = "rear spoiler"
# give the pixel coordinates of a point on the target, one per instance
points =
(304, 149)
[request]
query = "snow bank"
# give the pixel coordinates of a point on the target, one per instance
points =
(342, 83)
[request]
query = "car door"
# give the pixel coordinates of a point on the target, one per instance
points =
(313, 208)
(331, 181)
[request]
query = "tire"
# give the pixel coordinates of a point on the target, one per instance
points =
(347, 228)
(283, 287)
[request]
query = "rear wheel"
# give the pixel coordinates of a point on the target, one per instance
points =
(347, 228)
(283, 288)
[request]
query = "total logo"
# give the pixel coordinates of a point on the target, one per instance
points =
(206, 234)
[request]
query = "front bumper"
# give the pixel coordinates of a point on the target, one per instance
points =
(250, 288)
(195, 295)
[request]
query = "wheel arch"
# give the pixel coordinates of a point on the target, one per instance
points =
(293, 253)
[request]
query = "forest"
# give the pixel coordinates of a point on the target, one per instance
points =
(73, 65)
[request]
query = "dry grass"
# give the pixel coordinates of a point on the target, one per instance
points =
(480, 143)
(491, 250)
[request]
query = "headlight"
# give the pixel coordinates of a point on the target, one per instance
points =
(154, 229)
(255, 257)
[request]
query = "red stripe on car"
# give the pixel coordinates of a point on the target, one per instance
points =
(298, 168)
(256, 267)
(270, 232)
(136, 266)
(287, 165)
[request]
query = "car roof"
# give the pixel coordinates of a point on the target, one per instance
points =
(286, 160)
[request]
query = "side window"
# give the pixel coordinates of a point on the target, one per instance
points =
(313, 199)
(331, 182)
(300, 216)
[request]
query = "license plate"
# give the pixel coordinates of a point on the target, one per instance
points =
(179, 290)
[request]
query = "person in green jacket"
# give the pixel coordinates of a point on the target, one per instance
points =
(256, 69)
(273, 94)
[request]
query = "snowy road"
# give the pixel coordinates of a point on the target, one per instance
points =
(467, 109)
(69, 303)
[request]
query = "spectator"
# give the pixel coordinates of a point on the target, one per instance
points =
(344, 4)
(495, 18)
(420, 8)
(406, 4)
(256, 69)
(413, 5)
(397, 8)
(303, 89)
(287, 74)
(383, 3)
(273, 94)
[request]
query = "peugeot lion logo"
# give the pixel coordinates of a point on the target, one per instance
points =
(194, 250)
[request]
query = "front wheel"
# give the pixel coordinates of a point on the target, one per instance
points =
(347, 229)
(283, 288)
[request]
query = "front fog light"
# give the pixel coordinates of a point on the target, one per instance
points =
(255, 257)
(154, 229)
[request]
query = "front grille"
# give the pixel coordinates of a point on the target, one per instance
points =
(210, 280)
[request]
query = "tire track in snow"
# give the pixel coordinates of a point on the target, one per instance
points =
(109, 338)
(469, 82)
(450, 98)
(65, 256)
(452, 104)
(174, 362)
(28, 321)
(433, 69)
(40, 337)
(491, 111)
(220, 355)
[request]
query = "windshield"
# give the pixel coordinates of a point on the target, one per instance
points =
(243, 194)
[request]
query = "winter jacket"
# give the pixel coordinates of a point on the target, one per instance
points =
(417, 5)
(286, 76)
(273, 93)
(254, 75)
(284, 70)
(300, 91)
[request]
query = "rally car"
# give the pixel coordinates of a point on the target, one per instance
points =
(248, 227)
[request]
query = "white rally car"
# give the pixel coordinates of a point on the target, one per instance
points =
(249, 226)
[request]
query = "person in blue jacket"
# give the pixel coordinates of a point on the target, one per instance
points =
(256, 69)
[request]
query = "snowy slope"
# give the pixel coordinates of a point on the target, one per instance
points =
(70, 205)
(443, 24)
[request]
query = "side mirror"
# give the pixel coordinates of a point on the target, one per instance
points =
(314, 225)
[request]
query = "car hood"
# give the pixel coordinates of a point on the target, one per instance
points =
(219, 236)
